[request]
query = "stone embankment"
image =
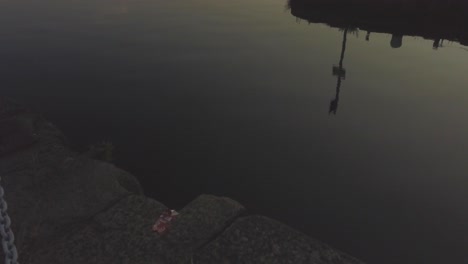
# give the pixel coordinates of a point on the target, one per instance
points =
(67, 208)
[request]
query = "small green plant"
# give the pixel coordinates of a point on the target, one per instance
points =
(101, 151)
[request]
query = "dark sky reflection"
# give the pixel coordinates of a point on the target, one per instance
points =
(232, 98)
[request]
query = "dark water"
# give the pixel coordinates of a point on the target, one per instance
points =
(233, 98)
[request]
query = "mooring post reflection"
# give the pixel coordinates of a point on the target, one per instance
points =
(438, 43)
(396, 41)
(368, 35)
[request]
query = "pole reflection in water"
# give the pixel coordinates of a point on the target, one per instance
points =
(340, 73)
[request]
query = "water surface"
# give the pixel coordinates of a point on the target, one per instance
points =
(232, 98)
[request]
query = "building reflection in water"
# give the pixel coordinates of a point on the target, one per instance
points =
(436, 20)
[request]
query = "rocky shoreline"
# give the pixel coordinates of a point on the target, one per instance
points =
(68, 208)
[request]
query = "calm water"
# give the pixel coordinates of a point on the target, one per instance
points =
(232, 98)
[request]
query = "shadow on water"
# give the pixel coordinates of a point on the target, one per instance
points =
(436, 20)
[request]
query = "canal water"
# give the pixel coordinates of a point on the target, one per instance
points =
(240, 99)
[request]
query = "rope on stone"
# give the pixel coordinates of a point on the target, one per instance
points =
(8, 239)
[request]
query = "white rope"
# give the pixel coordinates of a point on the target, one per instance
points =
(8, 239)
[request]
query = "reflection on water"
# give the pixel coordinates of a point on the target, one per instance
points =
(340, 74)
(398, 18)
(436, 19)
